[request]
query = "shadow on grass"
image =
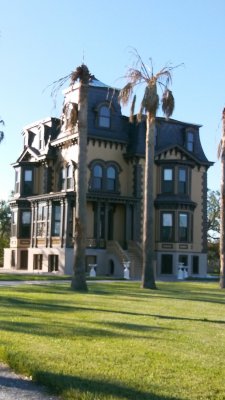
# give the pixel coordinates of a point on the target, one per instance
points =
(97, 389)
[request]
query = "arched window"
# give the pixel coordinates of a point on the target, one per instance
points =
(111, 178)
(97, 177)
(104, 117)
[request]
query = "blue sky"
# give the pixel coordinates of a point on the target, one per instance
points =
(41, 41)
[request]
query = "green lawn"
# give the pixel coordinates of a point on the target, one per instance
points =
(118, 341)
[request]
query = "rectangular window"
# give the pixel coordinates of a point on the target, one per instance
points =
(183, 227)
(182, 181)
(28, 182)
(56, 219)
(25, 224)
(167, 180)
(166, 264)
(183, 259)
(167, 227)
(53, 263)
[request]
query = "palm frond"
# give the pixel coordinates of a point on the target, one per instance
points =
(1, 132)
(1, 136)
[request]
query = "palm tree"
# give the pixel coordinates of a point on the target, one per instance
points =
(149, 105)
(82, 76)
(221, 155)
(1, 132)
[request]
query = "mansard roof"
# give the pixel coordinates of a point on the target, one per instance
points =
(170, 134)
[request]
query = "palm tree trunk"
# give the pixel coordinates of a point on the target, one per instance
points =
(222, 209)
(148, 273)
(79, 277)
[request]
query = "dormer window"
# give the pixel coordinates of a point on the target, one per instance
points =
(104, 117)
(190, 141)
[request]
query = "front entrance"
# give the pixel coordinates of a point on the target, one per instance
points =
(104, 221)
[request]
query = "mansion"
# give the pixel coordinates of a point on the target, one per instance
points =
(44, 200)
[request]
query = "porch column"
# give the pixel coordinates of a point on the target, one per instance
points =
(35, 224)
(32, 226)
(49, 235)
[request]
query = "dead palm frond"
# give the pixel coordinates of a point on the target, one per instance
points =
(131, 118)
(125, 94)
(168, 103)
(81, 73)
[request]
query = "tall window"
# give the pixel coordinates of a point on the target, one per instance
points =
(28, 181)
(167, 227)
(182, 181)
(111, 178)
(167, 183)
(69, 176)
(53, 262)
(62, 179)
(56, 219)
(195, 265)
(41, 220)
(25, 224)
(17, 180)
(104, 117)
(97, 177)
(167, 264)
(183, 227)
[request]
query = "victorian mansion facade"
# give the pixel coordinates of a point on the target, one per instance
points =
(44, 200)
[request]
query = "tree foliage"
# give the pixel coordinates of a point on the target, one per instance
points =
(5, 223)
(1, 132)
(213, 215)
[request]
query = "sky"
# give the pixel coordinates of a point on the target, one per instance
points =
(44, 40)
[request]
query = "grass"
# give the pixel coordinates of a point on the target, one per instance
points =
(118, 341)
(31, 277)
